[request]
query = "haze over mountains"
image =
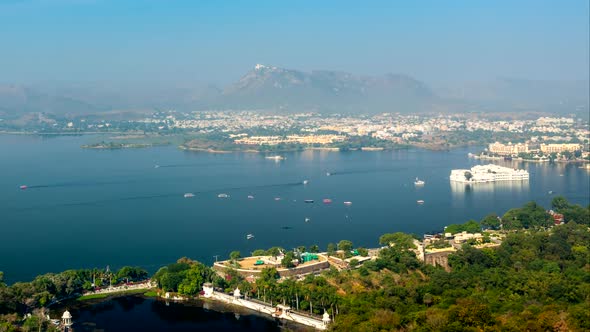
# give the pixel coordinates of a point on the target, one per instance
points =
(285, 90)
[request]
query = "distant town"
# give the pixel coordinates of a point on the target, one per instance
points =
(527, 136)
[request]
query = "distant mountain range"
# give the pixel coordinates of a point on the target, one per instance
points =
(286, 90)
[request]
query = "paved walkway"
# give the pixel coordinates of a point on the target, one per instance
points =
(266, 309)
(122, 288)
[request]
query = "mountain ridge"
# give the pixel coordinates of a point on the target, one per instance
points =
(279, 89)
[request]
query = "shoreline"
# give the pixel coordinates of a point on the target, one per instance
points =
(133, 135)
(578, 161)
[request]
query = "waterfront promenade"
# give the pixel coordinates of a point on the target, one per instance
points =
(148, 284)
(268, 310)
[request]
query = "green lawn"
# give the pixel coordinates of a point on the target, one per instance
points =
(123, 292)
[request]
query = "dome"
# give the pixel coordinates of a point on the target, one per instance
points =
(66, 315)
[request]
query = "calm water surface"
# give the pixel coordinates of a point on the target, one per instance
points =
(92, 208)
(134, 313)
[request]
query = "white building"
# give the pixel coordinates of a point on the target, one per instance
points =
(508, 149)
(488, 173)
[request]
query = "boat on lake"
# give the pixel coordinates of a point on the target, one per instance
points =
(156, 166)
(327, 201)
(189, 195)
(23, 187)
(307, 219)
(305, 182)
(249, 236)
(223, 196)
(348, 203)
(328, 174)
(275, 158)
(250, 197)
(418, 182)
(277, 198)
(420, 201)
(308, 201)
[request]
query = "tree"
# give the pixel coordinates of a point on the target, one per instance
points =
(468, 175)
(314, 248)
(235, 255)
(399, 239)
(288, 260)
(259, 252)
(345, 245)
(363, 252)
(331, 249)
(194, 279)
(559, 203)
(274, 251)
(491, 221)
(131, 273)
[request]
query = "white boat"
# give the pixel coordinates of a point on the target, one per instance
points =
(250, 197)
(156, 166)
(420, 201)
(223, 196)
(305, 182)
(328, 174)
(249, 236)
(307, 219)
(275, 158)
(418, 182)
(189, 195)
(348, 203)
(550, 192)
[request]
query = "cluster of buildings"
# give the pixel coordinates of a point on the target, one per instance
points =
(260, 128)
(289, 139)
(510, 149)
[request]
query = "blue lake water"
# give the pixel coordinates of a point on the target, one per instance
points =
(92, 208)
(134, 313)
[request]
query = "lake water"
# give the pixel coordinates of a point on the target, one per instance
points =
(135, 313)
(92, 208)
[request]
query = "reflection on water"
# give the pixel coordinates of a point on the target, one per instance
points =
(458, 188)
(134, 313)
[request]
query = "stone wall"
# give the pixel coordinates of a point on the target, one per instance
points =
(439, 258)
(305, 269)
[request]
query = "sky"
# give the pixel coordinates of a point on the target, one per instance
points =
(178, 42)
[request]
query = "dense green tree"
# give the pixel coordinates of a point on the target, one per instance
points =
(331, 249)
(345, 245)
(399, 239)
(131, 273)
(491, 221)
(287, 260)
(259, 252)
(235, 255)
(559, 203)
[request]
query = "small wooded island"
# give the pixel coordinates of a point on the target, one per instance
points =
(526, 270)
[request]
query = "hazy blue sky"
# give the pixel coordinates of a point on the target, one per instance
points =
(218, 41)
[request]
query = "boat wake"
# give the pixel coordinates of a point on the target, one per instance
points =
(366, 171)
(156, 196)
(78, 184)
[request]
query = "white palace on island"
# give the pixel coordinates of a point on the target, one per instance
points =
(488, 173)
